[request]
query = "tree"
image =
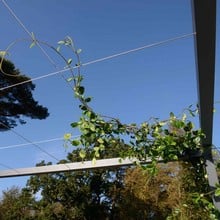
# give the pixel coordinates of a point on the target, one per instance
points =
(119, 193)
(17, 101)
(80, 195)
(16, 204)
(105, 194)
(171, 194)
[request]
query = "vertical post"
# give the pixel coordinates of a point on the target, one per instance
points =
(204, 21)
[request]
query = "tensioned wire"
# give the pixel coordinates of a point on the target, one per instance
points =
(51, 61)
(85, 64)
(8, 167)
(32, 143)
(26, 139)
(28, 32)
(103, 59)
(35, 142)
(65, 70)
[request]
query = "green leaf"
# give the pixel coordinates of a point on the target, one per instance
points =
(162, 123)
(91, 115)
(92, 127)
(70, 79)
(33, 44)
(88, 99)
(101, 147)
(82, 153)
(217, 192)
(58, 48)
(74, 124)
(172, 115)
(96, 149)
(67, 136)
(79, 51)
(75, 142)
(81, 90)
(94, 161)
(79, 78)
(33, 40)
(61, 42)
(101, 141)
(83, 107)
(69, 61)
(33, 36)
(3, 53)
(97, 154)
(184, 117)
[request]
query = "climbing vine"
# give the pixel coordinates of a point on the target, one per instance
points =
(175, 138)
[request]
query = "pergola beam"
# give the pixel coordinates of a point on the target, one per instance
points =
(86, 165)
(204, 13)
(204, 20)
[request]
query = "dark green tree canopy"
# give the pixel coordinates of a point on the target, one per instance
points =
(17, 101)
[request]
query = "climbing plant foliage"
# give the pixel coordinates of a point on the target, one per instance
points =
(172, 139)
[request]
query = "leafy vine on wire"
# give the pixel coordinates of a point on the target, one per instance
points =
(158, 140)
(167, 140)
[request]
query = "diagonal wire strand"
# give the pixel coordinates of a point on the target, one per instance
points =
(33, 38)
(8, 167)
(46, 55)
(28, 32)
(29, 141)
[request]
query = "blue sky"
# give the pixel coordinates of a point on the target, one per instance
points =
(134, 87)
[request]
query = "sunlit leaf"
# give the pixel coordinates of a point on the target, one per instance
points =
(79, 51)
(184, 117)
(69, 61)
(70, 79)
(3, 53)
(96, 148)
(94, 161)
(100, 140)
(33, 36)
(67, 136)
(217, 192)
(33, 44)
(101, 147)
(58, 48)
(61, 42)
(82, 153)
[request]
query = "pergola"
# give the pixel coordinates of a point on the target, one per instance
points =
(204, 21)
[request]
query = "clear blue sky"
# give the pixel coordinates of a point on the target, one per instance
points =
(151, 82)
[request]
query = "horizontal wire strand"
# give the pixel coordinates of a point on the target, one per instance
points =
(102, 59)
(46, 55)
(33, 38)
(85, 64)
(35, 142)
